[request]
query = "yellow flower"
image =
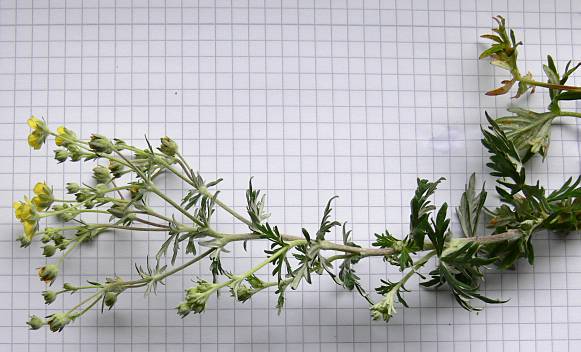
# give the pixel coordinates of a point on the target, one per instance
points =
(23, 210)
(25, 213)
(44, 196)
(64, 136)
(37, 137)
(35, 141)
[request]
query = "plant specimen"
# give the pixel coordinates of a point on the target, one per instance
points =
(125, 183)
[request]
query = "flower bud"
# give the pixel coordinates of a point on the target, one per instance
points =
(136, 191)
(242, 293)
(48, 273)
(50, 233)
(100, 144)
(168, 146)
(24, 241)
(101, 189)
(118, 211)
(116, 168)
(64, 136)
(55, 235)
(66, 212)
(43, 195)
(101, 174)
(110, 299)
(119, 143)
(75, 152)
(61, 155)
(63, 244)
(197, 296)
(69, 287)
(58, 321)
(35, 322)
(49, 250)
(183, 309)
(73, 188)
(49, 296)
(83, 194)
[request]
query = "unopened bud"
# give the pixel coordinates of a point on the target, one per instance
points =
(61, 155)
(101, 174)
(35, 322)
(48, 273)
(110, 299)
(49, 296)
(100, 144)
(58, 321)
(168, 146)
(73, 188)
(49, 250)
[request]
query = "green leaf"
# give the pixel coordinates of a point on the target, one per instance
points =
(421, 208)
(552, 74)
(569, 72)
(529, 131)
(470, 208)
(326, 224)
(255, 206)
(306, 235)
(347, 276)
(495, 48)
(568, 95)
(505, 160)
(551, 64)
(492, 37)
(439, 230)
(385, 240)
(460, 270)
(567, 190)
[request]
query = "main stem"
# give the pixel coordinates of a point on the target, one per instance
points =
(509, 235)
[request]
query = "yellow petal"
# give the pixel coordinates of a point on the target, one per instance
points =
(60, 130)
(18, 210)
(39, 188)
(29, 229)
(34, 141)
(37, 201)
(33, 122)
(23, 211)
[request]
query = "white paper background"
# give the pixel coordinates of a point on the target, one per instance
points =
(314, 99)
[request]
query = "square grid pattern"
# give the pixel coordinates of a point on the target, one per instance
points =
(312, 98)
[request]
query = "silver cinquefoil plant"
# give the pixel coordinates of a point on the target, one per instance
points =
(459, 258)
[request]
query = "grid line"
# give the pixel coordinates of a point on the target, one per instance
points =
(354, 98)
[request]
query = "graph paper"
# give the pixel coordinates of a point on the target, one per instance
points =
(313, 99)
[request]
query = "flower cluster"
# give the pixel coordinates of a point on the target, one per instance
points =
(196, 298)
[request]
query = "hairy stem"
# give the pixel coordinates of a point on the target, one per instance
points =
(374, 252)
(570, 113)
(533, 82)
